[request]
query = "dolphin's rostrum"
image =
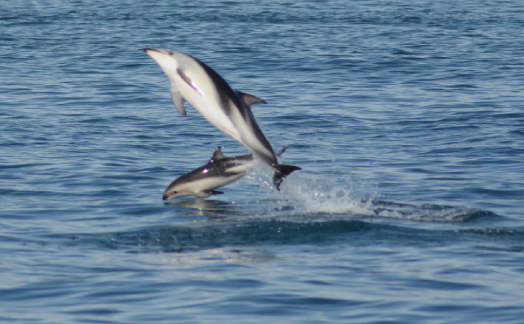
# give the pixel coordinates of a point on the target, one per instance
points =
(227, 109)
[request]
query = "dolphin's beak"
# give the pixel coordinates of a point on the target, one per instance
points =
(150, 50)
(155, 54)
(167, 195)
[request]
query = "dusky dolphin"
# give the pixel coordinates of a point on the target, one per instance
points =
(218, 172)
(227, 109)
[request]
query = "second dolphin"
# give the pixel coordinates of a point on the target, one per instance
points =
(218, 172)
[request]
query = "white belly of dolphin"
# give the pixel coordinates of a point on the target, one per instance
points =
(207, 184)
(209, 107)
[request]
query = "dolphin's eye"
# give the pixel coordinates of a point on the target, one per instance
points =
(171, 53)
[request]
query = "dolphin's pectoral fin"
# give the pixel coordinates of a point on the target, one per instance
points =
(250, 99)
(207, 193)
(178, 100)
(217, 155)
(203, 194)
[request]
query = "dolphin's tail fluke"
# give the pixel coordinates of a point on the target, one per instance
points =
(281, 171)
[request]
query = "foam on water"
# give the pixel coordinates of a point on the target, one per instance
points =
(326, 197)
(350, 198)
(423, 213)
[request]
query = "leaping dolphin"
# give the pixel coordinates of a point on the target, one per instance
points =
(227, 109)
(218, 172)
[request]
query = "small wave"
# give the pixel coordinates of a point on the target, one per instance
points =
(425, 212)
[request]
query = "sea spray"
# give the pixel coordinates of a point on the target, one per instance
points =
(347, 197)
(313, 196)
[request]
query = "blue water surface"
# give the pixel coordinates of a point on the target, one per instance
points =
(406, 118)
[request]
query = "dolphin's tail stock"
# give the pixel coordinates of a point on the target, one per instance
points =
(281, 171)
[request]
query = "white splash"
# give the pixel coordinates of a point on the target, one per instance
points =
(318, 196)
(348, 196)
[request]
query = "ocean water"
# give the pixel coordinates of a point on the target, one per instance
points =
(407, 118)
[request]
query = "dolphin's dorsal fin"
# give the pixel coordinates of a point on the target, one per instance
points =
(178, 100)
(250, 99)
(217, 155)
